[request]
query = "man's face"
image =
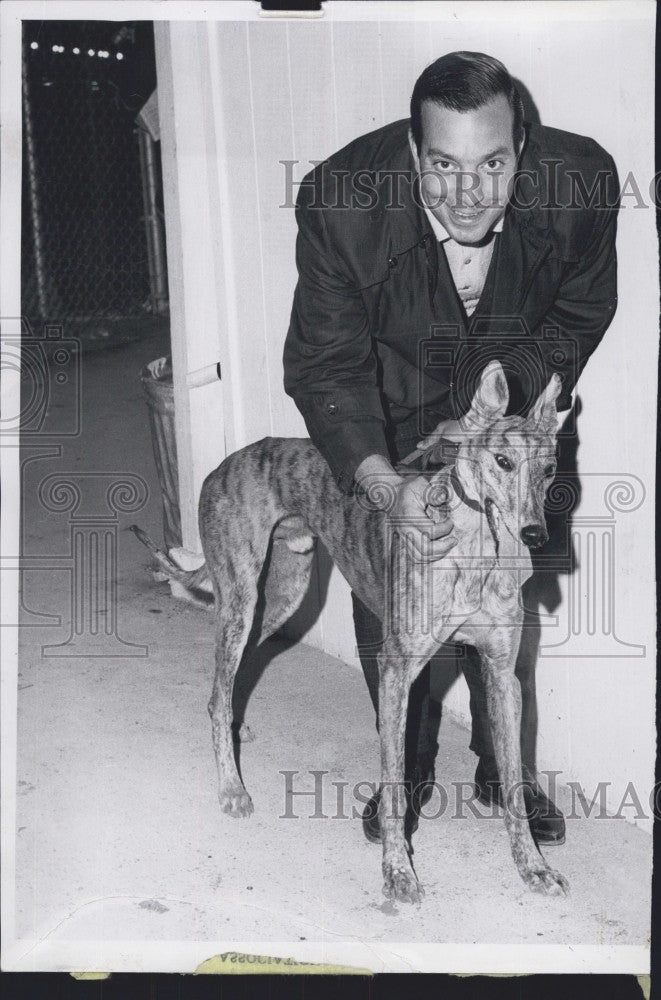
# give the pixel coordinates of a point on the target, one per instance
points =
(466, 162)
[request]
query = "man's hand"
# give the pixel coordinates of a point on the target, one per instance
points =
(427, 529)
(450, 429)
(406, 502)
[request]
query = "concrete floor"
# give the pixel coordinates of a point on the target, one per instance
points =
(119, 831)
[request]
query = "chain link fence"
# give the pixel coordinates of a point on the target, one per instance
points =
(92, 235)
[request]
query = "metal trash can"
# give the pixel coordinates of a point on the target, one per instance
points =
(156, 378)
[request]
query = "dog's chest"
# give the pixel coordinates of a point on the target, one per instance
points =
(487, 582)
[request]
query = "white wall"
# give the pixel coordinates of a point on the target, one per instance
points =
(272, 90)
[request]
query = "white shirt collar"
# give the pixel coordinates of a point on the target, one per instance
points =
(441, 233)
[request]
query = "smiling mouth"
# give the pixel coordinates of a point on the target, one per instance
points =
(467, 216)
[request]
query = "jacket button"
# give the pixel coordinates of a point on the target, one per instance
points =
(332, 408)
(392, 262)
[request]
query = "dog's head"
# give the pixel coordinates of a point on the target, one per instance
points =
(506, 464)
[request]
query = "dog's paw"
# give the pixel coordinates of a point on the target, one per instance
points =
(546, 881)
(236, 802)
(401, 886)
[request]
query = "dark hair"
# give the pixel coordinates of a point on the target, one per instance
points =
(464, 81)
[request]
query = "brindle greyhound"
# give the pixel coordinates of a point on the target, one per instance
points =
(259, 512)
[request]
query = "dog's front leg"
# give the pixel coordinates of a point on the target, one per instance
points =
(400, 882)
(504, 707)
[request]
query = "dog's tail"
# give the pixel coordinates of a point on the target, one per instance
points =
(191, 580)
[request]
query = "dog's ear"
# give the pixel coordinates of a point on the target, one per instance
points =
(544, 414)
(490, 399)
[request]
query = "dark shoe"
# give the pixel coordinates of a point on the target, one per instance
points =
(371, 827)
(547, 824)
(422, 786)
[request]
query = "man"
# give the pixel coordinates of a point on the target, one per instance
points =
(424, 250)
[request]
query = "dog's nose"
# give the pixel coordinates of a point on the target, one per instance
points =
(533, 535)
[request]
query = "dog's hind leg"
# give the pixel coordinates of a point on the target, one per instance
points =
(286, 582)
(234, 624)
(235, 560)
(498, 648)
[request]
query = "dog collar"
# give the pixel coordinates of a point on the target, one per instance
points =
(461, 493)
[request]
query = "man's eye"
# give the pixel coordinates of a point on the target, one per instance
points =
(504, 462)
(443, 164)
(494, 164)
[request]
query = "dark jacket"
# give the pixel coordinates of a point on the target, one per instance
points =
(378, 336)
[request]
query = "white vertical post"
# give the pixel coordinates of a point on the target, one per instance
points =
(195, 314)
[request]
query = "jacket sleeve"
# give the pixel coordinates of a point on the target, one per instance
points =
(329, 362)
(583, 308)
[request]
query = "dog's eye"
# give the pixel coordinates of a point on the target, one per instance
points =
(549, 470)
(504, 463)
